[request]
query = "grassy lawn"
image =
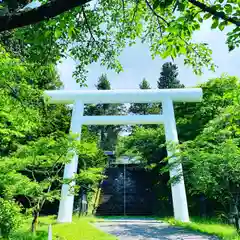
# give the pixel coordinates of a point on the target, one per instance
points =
(79, 229)
(209, 226)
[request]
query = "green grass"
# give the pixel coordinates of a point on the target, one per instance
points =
(209, 226)
(80, 228)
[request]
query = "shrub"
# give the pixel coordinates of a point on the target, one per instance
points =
(10, 217)
(41, 235)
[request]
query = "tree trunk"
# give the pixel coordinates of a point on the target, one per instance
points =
(80, 204)
(102, 138)
(236, 219)
(235, 215)
(35, 220)
(44, 12)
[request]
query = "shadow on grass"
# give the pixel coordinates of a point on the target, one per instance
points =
(26, 235)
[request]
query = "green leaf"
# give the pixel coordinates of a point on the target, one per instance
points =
(196, 26)
(71, 31)
(231, 48)
(207, 16)
(182, 50)
(214, 24)
(156, 4)
(173, 29)
(228, 8)
(221, 26)
(200, 19)
(57, 33)
(181, 6)
(174, 52)
(47, 33)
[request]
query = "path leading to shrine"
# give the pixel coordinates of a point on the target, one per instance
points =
(148, 229)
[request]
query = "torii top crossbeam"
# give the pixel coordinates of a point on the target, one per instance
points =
(125, 96)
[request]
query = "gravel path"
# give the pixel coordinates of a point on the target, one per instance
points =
(148, 230)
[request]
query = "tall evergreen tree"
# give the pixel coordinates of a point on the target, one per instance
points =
(103, 83)
(168, 77)
(141, 108)
(144, 108)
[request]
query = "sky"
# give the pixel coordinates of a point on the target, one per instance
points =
(138, 64)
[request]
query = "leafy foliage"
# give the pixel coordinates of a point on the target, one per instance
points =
(107, 134)
(212, 159)
(218, 93)
(211, 153)
(103, 29)
(10, 217)
(143, 108)
(34, 144)
(146, 143)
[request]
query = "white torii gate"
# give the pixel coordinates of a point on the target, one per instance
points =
(167, 96)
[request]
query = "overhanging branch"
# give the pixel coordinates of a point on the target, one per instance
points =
(215, 13)
(44, 12)
(56, 7)
(155, 13)
(87, 24)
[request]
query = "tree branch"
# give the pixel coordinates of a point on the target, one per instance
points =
(87, 24)
(215, 13)
(135, 11)
(56, 7)
(123, 9)
(44, 12)
(155, 13)
(175, 6)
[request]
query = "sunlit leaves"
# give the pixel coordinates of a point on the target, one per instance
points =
(10, 217)
(212, 159)
(228, 8)
(207, 16)
(99, 33)
(215, 23)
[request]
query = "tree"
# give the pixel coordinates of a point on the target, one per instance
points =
(22, 119)
(108, 134)
(34, 146)
(144, 108)
(34, 143)
(195, 124)
(27, 16)
(35, 170)
(168, 77)
(10, 217)
(85, 40)
(24, 116)
(211, 161)
(141, 108)
(54, 8)
(147, 145)
(218, 93)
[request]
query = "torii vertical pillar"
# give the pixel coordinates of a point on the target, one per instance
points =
(67, 198)
(179, 198)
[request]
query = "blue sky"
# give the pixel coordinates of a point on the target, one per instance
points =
(138, 64)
